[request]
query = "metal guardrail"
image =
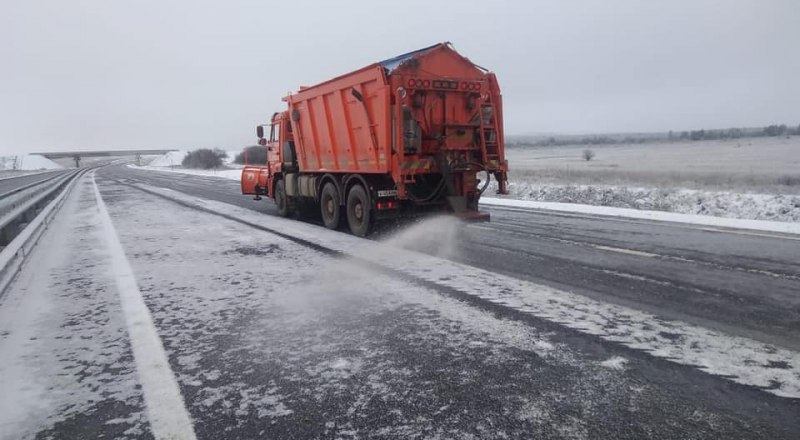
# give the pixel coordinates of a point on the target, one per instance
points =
(22, 227)
(25, 204)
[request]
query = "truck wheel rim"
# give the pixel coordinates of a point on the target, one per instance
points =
(358, 210)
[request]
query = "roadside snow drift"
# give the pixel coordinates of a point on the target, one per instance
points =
(27, 162)
(704, 220)
(725, 204)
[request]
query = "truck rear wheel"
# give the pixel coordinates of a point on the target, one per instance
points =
(280, 199)
(329, 205)
(359, 213)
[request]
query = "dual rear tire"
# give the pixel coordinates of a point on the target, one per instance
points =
(357, 209)
(329, 205)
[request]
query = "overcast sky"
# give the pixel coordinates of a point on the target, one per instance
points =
(149, 74)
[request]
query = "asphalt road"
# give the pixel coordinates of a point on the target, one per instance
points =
(739, 282)
(744, 283)
(332, 350)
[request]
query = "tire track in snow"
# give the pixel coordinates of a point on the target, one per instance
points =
(166, 410)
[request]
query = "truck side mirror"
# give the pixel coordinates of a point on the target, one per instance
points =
(260, 131)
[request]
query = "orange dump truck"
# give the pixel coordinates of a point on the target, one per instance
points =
(416, 133)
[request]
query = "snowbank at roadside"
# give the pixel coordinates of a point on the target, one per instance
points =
(173, 158)
(732, 205)
(704, 220)
(28, 162)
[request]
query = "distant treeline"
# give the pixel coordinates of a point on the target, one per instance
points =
(693, 135)
(736, 133)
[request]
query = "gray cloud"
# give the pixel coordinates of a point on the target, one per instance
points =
(99, 74)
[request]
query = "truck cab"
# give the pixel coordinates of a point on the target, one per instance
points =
(259, 178)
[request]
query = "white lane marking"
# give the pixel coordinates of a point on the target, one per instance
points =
(624, 251)
(166, 410)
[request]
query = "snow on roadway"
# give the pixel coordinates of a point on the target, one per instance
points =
(739, 359)
(266, 334)
(268, 338)
(66, 368)
(165, 408)
(272, 339)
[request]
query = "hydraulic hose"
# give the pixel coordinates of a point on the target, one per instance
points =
(434, 194)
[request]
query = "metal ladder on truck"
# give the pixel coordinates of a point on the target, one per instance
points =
(489, 134)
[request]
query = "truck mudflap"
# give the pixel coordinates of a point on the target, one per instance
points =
(472, 216)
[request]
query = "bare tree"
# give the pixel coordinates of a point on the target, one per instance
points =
(588, 154)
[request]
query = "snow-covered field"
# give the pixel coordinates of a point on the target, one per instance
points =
(756, 178)
(767, 156)
(727, 204)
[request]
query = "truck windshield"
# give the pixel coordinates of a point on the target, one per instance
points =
(276, 131)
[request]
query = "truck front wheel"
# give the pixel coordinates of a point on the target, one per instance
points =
(329, 206)
(280, 199)
(359, 214)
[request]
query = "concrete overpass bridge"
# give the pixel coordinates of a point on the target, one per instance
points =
(78, 155)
